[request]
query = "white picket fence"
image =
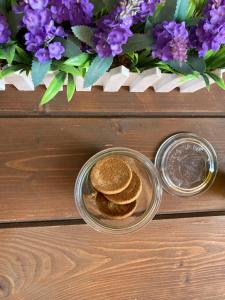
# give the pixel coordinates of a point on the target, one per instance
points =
(113, 80)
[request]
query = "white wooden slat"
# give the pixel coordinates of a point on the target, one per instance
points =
(21, 81)
(145, 80)
(80, 85)
(198, 83)
(2, 85)
(167, 83)
(116, 78)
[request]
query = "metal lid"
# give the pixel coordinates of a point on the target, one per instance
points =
(187, 164)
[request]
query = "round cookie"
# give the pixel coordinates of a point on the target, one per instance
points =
(130, 194)
(112, 210)
(111, 175)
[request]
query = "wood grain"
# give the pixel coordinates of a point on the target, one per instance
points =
(40, 158)
(179, 259)
(202, 102)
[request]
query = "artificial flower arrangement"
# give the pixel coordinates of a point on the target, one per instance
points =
(88, 37)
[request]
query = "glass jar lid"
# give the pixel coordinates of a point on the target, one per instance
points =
(187, 164)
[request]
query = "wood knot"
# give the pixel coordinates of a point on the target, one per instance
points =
(5, 287)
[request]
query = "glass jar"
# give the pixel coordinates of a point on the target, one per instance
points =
(147, 204)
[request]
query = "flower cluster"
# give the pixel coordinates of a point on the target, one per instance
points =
(4, 30)
(146, 8)
(42, 20)
(171, 41)
(113, 30)
(210, 32)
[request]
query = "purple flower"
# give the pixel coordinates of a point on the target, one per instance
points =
(42, 55)
(171, 41)
(210, 32)
(113, 30)
(146, 8)
(56, 50)
(38, 4)
(42, 19)
(4, 30)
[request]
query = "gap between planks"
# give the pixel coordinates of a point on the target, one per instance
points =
(70, 222)
(153, 115)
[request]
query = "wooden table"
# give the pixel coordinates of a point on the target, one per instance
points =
(46, 250)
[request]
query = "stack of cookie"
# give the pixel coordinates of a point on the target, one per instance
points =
(118, 187)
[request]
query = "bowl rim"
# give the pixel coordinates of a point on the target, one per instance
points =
(156, 197)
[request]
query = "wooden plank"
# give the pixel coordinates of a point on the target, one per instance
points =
(40, 158)
(122, 102)
(169, 259)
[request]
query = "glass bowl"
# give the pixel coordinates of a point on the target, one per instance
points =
(147, 204)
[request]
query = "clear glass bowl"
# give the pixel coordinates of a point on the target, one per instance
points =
(148, 202)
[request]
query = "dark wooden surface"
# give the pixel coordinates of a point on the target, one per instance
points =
(40, 158)
(13, 102)
(44, 251)
(169, 259)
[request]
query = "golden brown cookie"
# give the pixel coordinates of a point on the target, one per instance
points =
(111, 175)
(112, 210)
(130, 194)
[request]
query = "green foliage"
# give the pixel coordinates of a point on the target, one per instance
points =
(78, 60)
(183, 68)
(181, 10)
(138, 42)
(84, 34)
(8, 52)
(219, 81)
(197, 63)
(215, 60)
(38, 71)
(206, 79)
(136, 53)
(166, 13)
(14, 22)
(97, 68)
(195, 8)
(22, 57)
(9, 70)
(53, 88)
(71, 45)
(71, 87)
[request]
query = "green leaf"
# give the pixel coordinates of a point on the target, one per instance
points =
(207, 83)
(69, 69)
(109, 4)
(181, 10)
(71, 45)
(14, 22)
(2, 53)
(188, 77)
(166, 13)
(3, 5)
(53, 88)
(97, 68)
(22, 56)
(193, 21)
(38, 71)
(71, 87)
(78, 60)
(84, 34)
(219, 81)
(182, 68)
(197, 63)
(216, 60)
(11, 69)
(166, 67)
(138, 42)
(98, 5)
(9, 51)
